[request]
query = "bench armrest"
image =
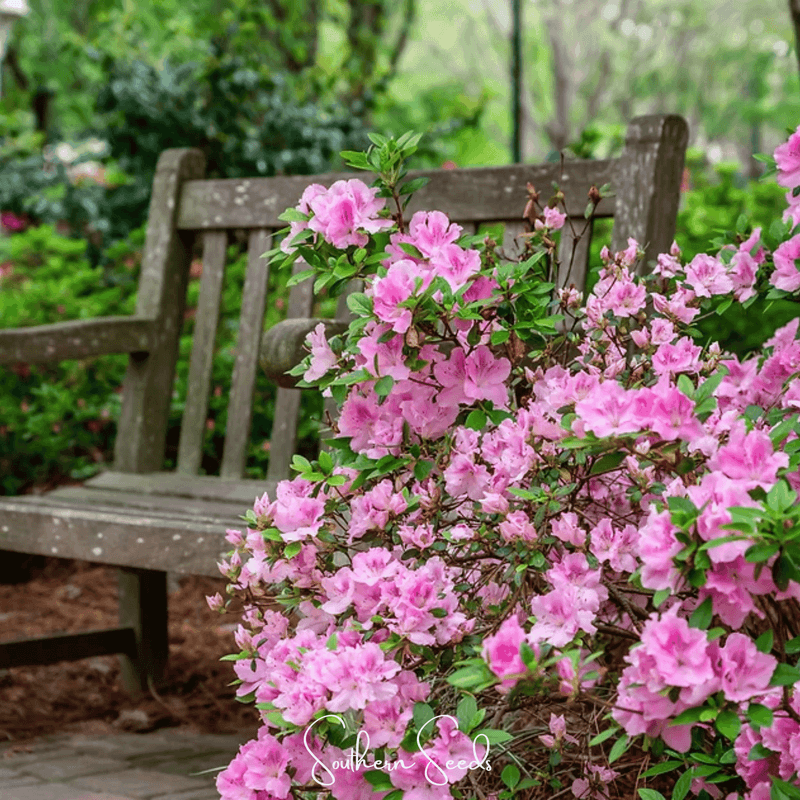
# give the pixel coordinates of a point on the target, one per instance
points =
(76, 339)
(282, 346)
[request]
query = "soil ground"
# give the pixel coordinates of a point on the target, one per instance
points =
(86, 696)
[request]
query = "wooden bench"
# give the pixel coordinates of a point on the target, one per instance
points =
(149, 522)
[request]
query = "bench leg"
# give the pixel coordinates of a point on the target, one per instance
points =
(143, 607)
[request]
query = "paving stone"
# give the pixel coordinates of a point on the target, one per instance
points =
(187, 764)
(21, 780)
(129, 745)
(6, 773)
(204, 794)
(56, 791)
(151, 760)
(73, 767)
(139, 783)
(20, 759)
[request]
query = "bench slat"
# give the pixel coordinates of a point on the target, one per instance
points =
(251, 326)
(287, 404)
(476, 194)
(648, 184)
(153, 504)
(574, 254)
(511, 244)
(193, 426)
(149, 379)
(191, 486)
(134, 538)
(67, 647)
(79, 338)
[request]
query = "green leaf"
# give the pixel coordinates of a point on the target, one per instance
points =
(682, 786)
(781, 790)
(325, 461)
(413, 185)
(293, 215)
(765, 641)
(526, 652)
(292, 549)
(758, 752)
(689, 715)
(422, 469)
(686, 386)
(410, 250)
(492, 736)
(785, 675)
(660, 596)
(466, 711)
(510, 776)
(651, 794)
(619, 748)
(792, 647)
(761, 552)
(701, 616)
(355, 159)
(476, 420)
(607, 463)
(759, 715)
(660, 769)
(300, 464)
(728, 724)
(379, 780)
(500, 337)
(602, 736)
(683, 505)
(780, 497)
(784, 570)
(384, 385)
(471, 677)
(359, 304)
(423, 714)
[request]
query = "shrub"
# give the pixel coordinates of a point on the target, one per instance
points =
(718, 200)
(246, 123)
(57, 419)
(557, 561)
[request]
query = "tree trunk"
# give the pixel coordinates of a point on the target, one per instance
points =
(794, 10)
(516, 81)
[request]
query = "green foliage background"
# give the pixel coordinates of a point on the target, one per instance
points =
(281, 88)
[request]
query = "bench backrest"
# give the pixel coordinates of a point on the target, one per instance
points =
(646, 179)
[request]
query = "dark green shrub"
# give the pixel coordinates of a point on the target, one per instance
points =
(719, 199)
(246, 123)
(57, 419)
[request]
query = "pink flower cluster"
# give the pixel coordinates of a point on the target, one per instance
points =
(675, 656)
(342, 215)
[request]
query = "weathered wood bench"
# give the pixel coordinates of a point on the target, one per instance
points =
(149, 522)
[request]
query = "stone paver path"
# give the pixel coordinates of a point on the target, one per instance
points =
(165, 765)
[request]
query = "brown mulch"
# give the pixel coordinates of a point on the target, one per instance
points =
(87, 696)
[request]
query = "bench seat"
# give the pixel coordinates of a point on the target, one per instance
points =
(158, 521)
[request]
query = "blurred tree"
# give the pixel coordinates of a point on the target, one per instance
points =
(61, 54)
(600, 62)
(794, 12)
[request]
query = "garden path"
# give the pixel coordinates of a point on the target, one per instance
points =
(162, 765)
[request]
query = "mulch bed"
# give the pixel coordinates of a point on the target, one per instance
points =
(86, 696)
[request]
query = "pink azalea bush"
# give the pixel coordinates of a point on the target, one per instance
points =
(553, 548)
